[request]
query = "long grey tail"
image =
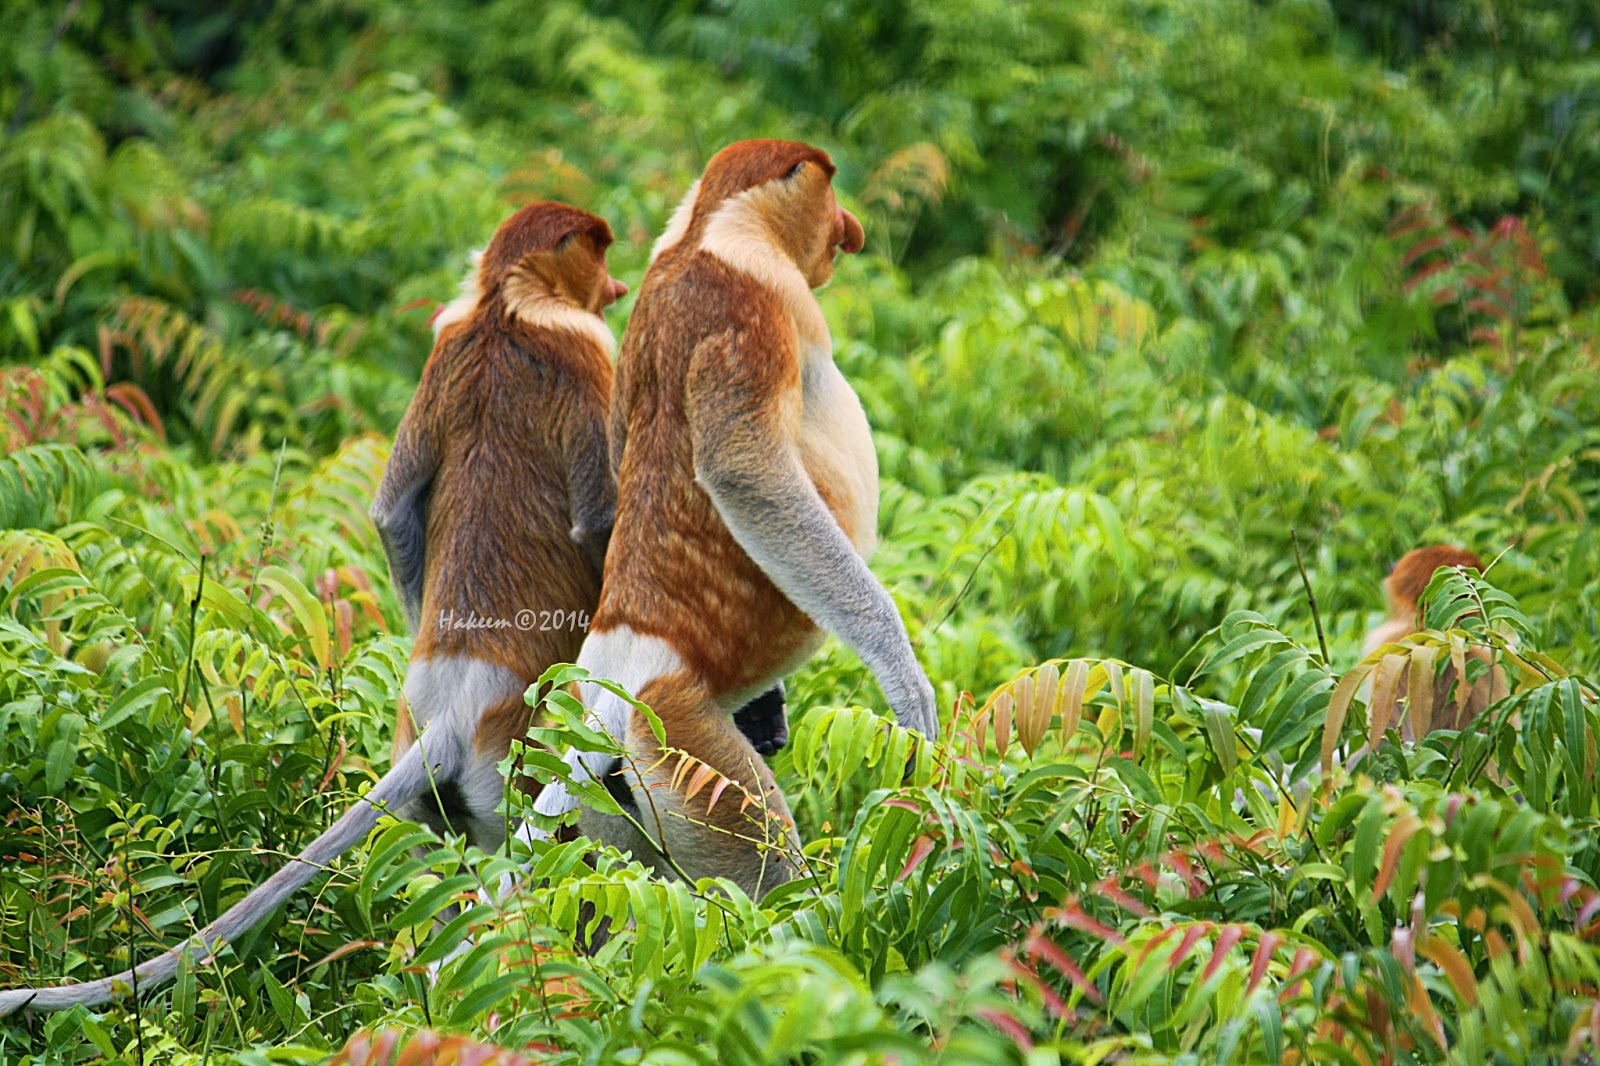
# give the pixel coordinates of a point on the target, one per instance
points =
(405, 781)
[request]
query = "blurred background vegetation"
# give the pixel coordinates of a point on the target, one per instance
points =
(1151, 285)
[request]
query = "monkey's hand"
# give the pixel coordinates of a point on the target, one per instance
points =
(401, 515)
(400, 508)
(763, 721)
(593, 541)
(591, 491)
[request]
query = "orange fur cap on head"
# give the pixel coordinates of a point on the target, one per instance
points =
(539, 227)
(747, 164)
(1415, 569)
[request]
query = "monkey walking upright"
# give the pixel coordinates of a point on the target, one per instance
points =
(497, 501)
(747, 505)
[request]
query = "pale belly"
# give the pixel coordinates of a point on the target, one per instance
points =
(836, 448)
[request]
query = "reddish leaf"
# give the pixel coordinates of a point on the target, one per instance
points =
(1008, 1025)
(920, 849)
(1264, 950)
(1229, 936)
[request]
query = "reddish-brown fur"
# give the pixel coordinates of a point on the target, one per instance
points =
(1410, 576)
(1403, 589)
(731, 812)
(678, 574)
(746, 165)
(497, 499)
(500, 399)
(713, 358)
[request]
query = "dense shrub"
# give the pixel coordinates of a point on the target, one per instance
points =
(1162, 300)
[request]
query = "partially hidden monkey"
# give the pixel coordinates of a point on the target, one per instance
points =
(1402, 590)
(497, 503)
(747, 505)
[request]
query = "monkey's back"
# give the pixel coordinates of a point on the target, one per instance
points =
(673, 569)
(505, 580)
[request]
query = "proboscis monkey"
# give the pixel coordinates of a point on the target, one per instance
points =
(496, 506)
(747, 507)
(1402, 590)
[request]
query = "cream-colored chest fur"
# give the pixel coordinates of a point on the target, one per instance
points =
(836, 446)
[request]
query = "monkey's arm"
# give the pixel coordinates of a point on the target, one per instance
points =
(591, 489)
(617, 433)
(743, 405)
(400, 510)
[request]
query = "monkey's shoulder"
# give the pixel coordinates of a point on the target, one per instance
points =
(716, 296)
(515, 363)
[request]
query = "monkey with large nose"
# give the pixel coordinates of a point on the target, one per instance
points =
(747, 507)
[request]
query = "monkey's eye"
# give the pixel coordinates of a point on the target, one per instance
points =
(797, 168)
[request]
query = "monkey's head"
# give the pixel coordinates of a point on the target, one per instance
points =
(790, 187)
(558, 250)
(1411, 574)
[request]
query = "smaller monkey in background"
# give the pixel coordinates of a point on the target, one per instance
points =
(497, 502)
(1402, 590)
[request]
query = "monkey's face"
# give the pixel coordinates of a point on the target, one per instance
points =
(604, 290)
(575, 271)
(824, 228)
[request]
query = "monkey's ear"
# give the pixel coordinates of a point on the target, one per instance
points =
(795, 170)
(566, 240)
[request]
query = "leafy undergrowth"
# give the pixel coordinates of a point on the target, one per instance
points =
(1098, 862)
(1157, 296)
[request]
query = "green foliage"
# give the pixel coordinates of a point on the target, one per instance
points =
(1157, 295)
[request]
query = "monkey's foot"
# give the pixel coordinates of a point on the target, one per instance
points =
(764, 722)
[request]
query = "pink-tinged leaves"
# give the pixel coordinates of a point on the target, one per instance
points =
(1191, 937)
(1023, 690)
(1226, 939)
(1422, 1006)
(716, 792)
(1002, 724)
(1007, 1025)
(1073, 691)
(980, 732)
(1455, 967)
(1400, 834)
(1034, 714)
(1419, 689)
(349, 948)
(1265, 948)
(1304, 959)
(1338, 708)
(921, 848)
(1072, 915)
(1183, 866)
(1053, 1002)
(1142, 682)
(1517, 911)
(1381, 707)
(343, 626)
(1587, 912)
(1040, 946)
(1112, 891)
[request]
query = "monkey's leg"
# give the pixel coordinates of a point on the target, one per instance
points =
(764, 721)
(737, 824)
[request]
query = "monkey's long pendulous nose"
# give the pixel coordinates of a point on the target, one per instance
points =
(853, 238)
